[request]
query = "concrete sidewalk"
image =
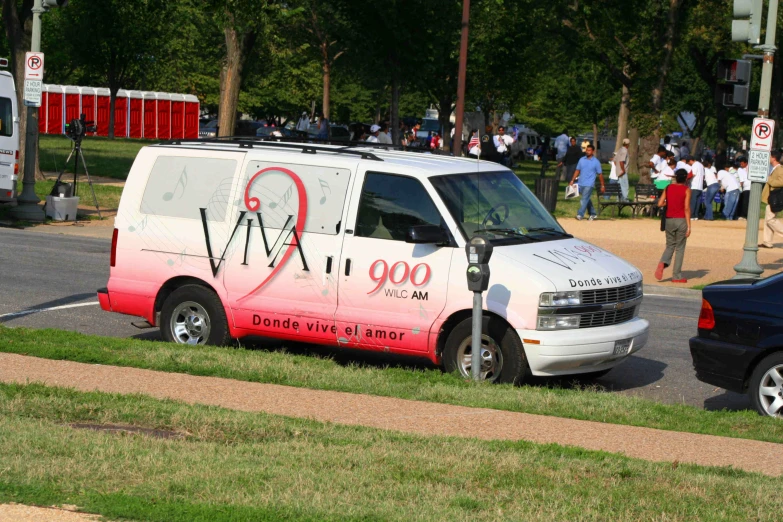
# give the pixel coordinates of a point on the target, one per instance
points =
(423, 418)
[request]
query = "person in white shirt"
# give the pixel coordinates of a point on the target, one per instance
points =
(502, 144)
(697, 185)
(744, 199)
(671, 147)
(731, 187)
(561, 146)
(667, 175)
(711, 180)
(383, 135)
(657, 164)
(373, 137)
(303, 125)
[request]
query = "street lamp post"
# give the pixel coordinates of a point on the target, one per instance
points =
(461, 73)
(748, 267)
(27, 203)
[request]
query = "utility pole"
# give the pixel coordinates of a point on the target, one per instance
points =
(463, 66)
(748, 267)
(27, 203)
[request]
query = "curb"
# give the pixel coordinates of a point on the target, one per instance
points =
(672, 292)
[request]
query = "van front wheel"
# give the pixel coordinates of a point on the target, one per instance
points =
(502, 354)
(194, 315)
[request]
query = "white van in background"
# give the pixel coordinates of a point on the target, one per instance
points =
(9, 136)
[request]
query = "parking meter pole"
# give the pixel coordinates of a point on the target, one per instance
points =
(475, 346)
(478, 250)
(748, 267)
(27, 208)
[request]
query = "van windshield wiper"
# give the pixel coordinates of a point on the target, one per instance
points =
(511, 232)
(550, 230)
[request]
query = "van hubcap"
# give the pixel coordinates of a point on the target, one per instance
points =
(491, 359)
(771, 391)
(190, 323)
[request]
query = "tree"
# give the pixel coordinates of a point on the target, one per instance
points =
(115, 41)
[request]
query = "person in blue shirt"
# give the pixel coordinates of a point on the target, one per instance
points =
(586, 171)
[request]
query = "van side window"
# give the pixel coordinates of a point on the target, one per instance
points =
(391, 204)
(180, 186)
(6, 118)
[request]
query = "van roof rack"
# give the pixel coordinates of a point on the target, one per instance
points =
(249, 142)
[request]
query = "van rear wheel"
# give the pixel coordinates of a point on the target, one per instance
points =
(502, 354)
(194, 315)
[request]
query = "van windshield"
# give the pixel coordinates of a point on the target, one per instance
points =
(6, 117)
(497, 205)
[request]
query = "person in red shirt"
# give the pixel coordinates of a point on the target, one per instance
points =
(676, 198)
(435, 143)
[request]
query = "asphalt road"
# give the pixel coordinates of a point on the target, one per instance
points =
(61, 273)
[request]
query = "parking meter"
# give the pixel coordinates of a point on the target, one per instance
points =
(478, 250)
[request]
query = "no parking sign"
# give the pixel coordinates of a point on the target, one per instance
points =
(763, 134)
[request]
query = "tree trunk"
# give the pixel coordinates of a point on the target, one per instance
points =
(596, 139)
(444, 119)
(394, 109)
(327, 70)
(668, 51)
(722, 128)
(622, 117)
(237, 49)
(633, 151)
(112, 105)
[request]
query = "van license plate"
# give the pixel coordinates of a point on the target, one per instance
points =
(621, 347)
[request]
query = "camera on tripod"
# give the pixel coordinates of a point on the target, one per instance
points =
(78, 128)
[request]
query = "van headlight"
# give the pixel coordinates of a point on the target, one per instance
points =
(639, 289)
(559, 299)
(558, 322)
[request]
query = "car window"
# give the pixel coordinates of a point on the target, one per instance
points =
(391, 204)
(339, 132)
(6, 118)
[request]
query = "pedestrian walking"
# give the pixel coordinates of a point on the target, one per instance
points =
(374, 132)
(488, 148)
(772, 224)
(744, 198)
(562, 143)
(586, 171)
(572, 157)
(712, 186)
(697, 184)
(731, 187)
(620, 163)
(667, 173)
(474, 145)
(323, 128)
(303, 125)
(383, 136)
(676, 199)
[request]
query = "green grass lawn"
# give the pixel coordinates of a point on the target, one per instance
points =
(108, 196)
(235, 466)
(104, 157)
(325, 369)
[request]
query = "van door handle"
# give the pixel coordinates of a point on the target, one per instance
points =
(347, 267)
(329, 265)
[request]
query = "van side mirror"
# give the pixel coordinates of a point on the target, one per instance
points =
(427, 234)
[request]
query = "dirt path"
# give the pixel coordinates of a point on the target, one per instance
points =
(22, 513)
(401, 415)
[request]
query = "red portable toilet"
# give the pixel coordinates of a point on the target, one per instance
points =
(164, 115)
(55, 109)
(177, 116)
(121, 114)
(73, 103)
(42, 111)
(88, 105)
(102, 106)
(191, 117)
(135, 115)
(150, 115)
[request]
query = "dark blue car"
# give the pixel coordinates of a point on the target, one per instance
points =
(740, 342)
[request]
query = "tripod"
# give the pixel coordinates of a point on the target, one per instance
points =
(76, 153)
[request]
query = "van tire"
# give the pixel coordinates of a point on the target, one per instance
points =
(198, 309)
(503, 349)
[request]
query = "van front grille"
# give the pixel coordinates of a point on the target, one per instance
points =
(608, 295)
(606, 318)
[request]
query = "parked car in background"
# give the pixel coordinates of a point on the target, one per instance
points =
(336, 132)
(9, 138)
(739, 346)
(207, 128)
(247, 127)
(268, 130)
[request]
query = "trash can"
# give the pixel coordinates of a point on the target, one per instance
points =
(547, 190)
(61, 209)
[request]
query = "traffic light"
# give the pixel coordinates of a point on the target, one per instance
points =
(54, 3)
(747, 30)
(734, 83)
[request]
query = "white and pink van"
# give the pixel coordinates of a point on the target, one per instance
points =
(363, 248)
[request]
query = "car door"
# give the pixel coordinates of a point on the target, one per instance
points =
(280, 273)
(390, 292)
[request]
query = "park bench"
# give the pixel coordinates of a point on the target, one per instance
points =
(612, 197)
(645, 199)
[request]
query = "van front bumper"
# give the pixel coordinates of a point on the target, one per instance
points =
(582, 350)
